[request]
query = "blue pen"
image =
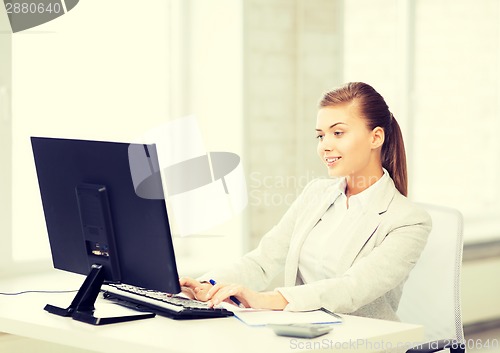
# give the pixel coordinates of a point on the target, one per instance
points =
(233, 298)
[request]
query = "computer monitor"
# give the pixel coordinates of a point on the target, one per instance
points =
(102, 220)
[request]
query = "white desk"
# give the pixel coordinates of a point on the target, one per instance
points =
(23, 315)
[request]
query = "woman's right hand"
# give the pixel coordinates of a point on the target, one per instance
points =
(195, 289)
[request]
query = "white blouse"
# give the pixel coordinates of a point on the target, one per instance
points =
(317, 257)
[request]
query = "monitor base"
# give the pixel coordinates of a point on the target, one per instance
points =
(82, 307)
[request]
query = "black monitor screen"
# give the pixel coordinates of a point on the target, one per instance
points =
(94, 214)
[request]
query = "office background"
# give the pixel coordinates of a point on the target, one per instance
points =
(252, 71)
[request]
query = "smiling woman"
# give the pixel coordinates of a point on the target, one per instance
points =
(347, 243)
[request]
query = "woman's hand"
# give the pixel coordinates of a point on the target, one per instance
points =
(216, 294)
(195, 289)
(248, 298)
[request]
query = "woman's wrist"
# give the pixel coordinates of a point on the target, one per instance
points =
(273, 300)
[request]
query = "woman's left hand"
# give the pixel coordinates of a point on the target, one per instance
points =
(248, 297)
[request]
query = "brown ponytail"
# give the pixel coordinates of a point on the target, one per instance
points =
(394, 157)
(376, 113)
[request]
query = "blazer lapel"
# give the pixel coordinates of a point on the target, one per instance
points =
(361, 233)
(357, 236)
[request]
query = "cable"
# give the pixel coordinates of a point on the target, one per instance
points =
(39, 291)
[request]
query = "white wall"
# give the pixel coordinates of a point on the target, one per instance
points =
(5, 140)
(89, 74)
(105, 71)
(481, 290)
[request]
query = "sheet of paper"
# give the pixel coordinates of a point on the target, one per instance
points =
(259, 317)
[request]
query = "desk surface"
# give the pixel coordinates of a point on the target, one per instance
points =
(23, 315)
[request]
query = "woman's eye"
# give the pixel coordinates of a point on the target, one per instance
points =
(338, 133)
(320, 137)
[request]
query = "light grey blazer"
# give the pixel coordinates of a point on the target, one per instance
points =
(383, 249)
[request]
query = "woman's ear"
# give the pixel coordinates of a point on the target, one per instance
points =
(378, 137)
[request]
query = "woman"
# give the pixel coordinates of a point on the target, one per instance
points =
(348, 242)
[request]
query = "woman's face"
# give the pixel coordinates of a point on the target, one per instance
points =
(345, 144)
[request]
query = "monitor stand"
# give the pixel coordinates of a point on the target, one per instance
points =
(82, 307)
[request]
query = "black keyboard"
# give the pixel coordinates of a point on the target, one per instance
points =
(172, 306)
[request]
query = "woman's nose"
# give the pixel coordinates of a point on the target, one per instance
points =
(326, 144)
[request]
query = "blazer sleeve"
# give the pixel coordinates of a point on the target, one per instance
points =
(371, 276)
(259, 267)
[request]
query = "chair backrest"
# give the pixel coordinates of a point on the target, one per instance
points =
(431, 295)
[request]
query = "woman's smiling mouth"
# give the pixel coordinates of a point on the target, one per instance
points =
(331, 160)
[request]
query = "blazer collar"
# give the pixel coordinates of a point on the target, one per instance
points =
(380, 199)
(383, 196)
